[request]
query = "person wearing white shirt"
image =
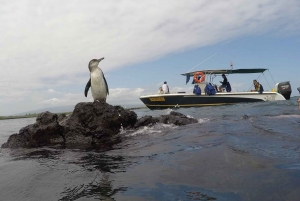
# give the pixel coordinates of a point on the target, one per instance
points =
(165, 88)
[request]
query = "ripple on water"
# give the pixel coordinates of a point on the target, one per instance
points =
(295, 166)
(168, 192)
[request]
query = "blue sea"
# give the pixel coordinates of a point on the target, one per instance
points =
(235, 152)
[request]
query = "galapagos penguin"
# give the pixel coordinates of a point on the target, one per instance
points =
(97, 81)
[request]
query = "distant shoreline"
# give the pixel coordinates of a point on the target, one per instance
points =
(25, 116)
(36, 114)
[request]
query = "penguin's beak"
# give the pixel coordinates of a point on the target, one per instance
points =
(101, 59)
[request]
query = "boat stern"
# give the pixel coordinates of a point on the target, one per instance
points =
(285, 89)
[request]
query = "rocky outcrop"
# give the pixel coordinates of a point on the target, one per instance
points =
(94, 124)
(177, 119)
(146, 121)
(172, 118)
(97, 123)
(45, 131)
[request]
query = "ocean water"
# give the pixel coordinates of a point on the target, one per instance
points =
(234, 152)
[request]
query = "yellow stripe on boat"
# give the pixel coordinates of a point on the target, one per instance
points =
(153, 99)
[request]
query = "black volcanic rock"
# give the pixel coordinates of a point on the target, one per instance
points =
(46, 131)
(96, 124)
(177, 119)
(146, 121)
(172, 118)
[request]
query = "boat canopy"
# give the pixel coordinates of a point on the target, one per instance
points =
(228, 71)
(225, 71)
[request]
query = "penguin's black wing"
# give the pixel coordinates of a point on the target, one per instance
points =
(87, 87)
(106, 84)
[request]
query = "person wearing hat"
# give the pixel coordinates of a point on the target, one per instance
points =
(165, 88)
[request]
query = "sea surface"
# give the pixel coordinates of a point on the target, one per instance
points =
(235, 152)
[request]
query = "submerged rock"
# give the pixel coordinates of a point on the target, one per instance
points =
(96, 124)
(177, 119)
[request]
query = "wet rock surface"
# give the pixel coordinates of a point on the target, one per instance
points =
(177, 119)
(45, 131)
(94, 124)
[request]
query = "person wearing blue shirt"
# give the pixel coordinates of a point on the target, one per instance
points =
(197, 90)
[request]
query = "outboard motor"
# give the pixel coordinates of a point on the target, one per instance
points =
(285, 89)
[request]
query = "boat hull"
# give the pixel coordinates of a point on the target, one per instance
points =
(163, 101)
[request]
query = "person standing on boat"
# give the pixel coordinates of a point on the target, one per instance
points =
(197, 90)
(224, 83)
(258, 87)
(165, 88)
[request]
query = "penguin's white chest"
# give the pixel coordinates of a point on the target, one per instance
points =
(98, 86)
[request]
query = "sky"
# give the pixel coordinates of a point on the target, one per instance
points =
(46, 47)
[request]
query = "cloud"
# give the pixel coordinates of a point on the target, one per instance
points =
(125, 96)
(51, 101)
(51, 91)
(48, 44)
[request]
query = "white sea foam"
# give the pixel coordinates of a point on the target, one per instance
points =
(193, 148)
(168, 111)
(203, 120)
(156, 129)
(190, 116)
(145, 130)
(287, 116)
